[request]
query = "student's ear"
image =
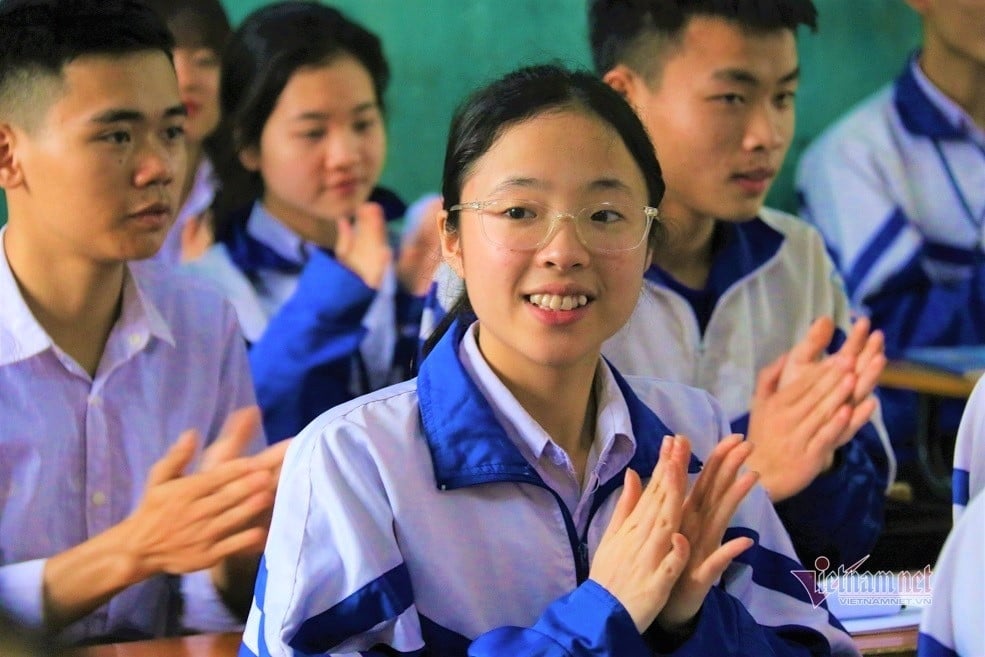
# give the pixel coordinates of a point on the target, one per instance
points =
(919, 6)
(451, 244)
(249, 157)
(10, 170)
(624, 81)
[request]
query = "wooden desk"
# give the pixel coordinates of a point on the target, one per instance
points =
(925, 380)
(931, 385)
(896, 643)
(205, 645)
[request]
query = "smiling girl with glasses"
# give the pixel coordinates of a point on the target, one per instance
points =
(494, 506)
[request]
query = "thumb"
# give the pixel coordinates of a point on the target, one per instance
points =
(172, 465)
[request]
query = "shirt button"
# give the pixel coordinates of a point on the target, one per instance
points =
(98, 498)
(95, 400)
(135, 340)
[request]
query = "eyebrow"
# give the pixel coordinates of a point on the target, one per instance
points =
(534, 183)
(134, 116)
(321, 116)
(742, 76)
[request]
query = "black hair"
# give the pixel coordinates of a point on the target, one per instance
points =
(39, 38)
(268, 48)
(195, 23)
(523, 94)
(619, 30)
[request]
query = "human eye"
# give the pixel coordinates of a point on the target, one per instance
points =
(364, 125)
(116, 137)
(513, 209)
(606, 214)
(175, 132)
(206, 59)
(730, 99)
(785, 99)
(312, 134)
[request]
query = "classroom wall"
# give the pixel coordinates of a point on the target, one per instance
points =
(440, 49)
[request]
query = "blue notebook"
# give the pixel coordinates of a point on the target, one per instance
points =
(966, 360)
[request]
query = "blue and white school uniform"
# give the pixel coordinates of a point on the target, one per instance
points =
(771, 278)
(320, 336)
(435, 517)
(952, 624)
(897, 188)
(968, 476)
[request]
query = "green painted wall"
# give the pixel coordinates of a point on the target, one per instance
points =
(440, 49)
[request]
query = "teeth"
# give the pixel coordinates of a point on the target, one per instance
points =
(558, 302)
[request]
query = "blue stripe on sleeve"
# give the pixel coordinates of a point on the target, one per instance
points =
(773, 570)
(383, 599)
(874, 249)
(960, 486)
(928, 646)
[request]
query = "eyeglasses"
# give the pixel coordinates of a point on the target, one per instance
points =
(521, 225)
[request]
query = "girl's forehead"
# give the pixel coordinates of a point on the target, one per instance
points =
(567, 149)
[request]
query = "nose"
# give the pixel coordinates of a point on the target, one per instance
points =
(159, 163)
(563, 247)
(342, 149)
(769, 128)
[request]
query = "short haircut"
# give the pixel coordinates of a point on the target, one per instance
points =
(40, 37)
(633, 32)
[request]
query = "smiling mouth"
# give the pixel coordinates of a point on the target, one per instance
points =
(558, 301)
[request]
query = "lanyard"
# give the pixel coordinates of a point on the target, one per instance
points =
(969, 213)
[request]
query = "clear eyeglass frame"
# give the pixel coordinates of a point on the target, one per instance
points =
(649, 212)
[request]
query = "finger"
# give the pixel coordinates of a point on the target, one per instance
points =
(247, 541)
(814, 342)
(727, 503)
(825, 393)
(710, 469)
(768, 379)
(856, 338)
(273, 457)
(860, 416)
(675, 561)
(239, 429)
(238, 496)
(870, 366)
(628, 498)
(727, 473)
(663, 493)
(713, 566)
(371, 223)
(172, 465)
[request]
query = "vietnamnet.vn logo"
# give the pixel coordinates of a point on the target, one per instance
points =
(854, 587)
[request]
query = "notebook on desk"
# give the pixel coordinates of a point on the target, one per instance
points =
(966, 360)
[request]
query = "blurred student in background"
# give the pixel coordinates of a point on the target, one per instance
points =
(897, 189)
(328, 303)
(200, 29)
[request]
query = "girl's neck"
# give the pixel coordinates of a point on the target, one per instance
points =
(315, 230)
(960, 78)
(561, 400)
(194, 151)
